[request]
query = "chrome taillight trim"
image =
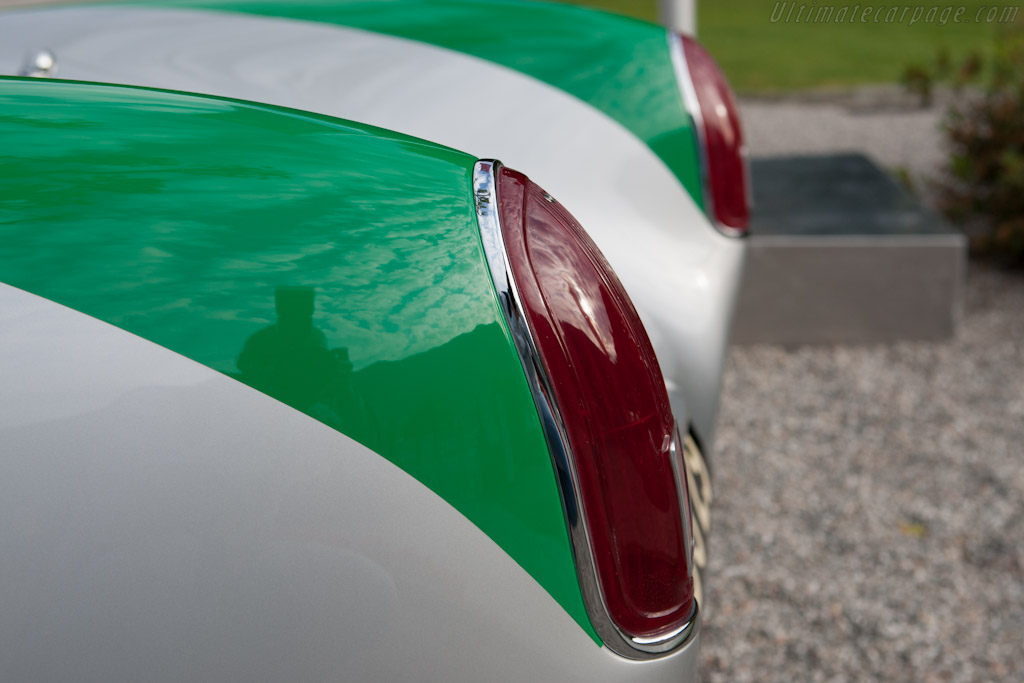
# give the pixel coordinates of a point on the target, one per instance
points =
(485, 191)
(689, 94)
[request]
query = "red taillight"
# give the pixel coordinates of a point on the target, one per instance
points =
(720, 135)
(614, 409)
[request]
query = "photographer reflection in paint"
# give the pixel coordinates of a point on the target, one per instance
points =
(290, 361)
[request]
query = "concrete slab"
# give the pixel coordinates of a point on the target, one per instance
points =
(839, 252)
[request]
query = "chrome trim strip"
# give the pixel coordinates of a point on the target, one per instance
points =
(692, 104)
(486, 197)
(488, 216)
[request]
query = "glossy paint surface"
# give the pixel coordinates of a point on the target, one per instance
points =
(161, 521)
(618, 65)
(680, 272)
(332, 266)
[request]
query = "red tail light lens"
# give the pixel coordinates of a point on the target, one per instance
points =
(614, 408)
(721, 136)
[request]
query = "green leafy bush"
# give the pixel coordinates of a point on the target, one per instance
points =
(984, 182)
(919, 80)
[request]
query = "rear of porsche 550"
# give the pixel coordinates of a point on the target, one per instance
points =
(286, 397)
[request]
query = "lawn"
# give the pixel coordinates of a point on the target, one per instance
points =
(762, 55)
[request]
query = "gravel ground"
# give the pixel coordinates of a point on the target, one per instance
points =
(869, 511)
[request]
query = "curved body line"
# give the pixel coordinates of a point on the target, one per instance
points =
(334, 267)
(216, 549)
(681, 273)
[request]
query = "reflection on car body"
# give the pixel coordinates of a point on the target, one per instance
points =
(337, 269)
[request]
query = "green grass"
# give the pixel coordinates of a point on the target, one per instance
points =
(759, 55)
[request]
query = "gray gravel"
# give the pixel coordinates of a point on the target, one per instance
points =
(881, 122)
(869, 512)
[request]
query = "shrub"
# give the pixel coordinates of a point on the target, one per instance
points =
(983, 185)
(919, 81)
(985, 182)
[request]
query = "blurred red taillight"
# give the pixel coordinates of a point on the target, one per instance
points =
(611, 401)
(719, 133)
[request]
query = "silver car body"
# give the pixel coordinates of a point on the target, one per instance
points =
(681, 273)
(340, 566)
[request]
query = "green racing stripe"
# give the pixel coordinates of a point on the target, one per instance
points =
(333, 266)
(618, 65)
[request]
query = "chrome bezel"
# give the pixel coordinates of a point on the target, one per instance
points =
(492, 236)
(692, 106)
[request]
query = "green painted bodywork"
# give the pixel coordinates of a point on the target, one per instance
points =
(334, 266)
(618, 65)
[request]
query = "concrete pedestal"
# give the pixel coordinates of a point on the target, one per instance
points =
(839, 252)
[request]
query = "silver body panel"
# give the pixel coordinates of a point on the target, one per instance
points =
(163, 522)
(681, 274)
